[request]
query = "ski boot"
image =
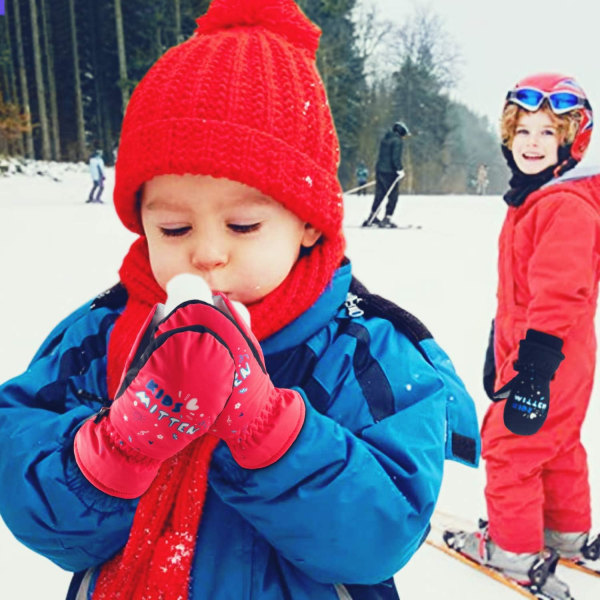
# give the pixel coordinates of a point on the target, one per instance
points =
(386, 223)
(371, 221)
(532, 570)
(573, 546)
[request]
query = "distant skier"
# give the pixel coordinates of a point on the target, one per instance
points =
(362, 175)
(540, 364)
(388, 172)
(482, 180)
(98, 177)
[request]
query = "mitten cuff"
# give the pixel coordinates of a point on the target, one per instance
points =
(539, 337)
(271, 434)
(111, 465)
(540, 352)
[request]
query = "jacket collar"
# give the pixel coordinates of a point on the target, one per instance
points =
(316, 317)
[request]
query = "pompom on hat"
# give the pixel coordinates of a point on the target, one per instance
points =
(240, 99)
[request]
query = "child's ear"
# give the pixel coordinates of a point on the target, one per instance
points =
(311, 236)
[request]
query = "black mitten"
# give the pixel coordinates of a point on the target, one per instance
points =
(489, 366)
(528, 393)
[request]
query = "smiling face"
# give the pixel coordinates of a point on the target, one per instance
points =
(240, 241)
(536, 141)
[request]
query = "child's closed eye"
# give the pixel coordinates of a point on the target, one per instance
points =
(174, 231)
(246, 228)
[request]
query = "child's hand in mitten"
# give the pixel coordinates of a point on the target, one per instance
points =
(186, 370)
(528, 393)
(258, 421)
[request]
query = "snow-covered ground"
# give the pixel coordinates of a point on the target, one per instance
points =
(56, 252)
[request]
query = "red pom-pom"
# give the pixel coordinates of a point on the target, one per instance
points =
(282, 17)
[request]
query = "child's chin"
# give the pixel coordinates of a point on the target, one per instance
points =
(532, 167)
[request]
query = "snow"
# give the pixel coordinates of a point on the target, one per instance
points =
(57, 252)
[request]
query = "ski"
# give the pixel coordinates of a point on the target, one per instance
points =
(440, 539)
(580, 565)
(406, 227)
(589, 561)
(375, 225)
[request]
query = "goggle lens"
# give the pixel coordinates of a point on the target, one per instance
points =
(529, 98)
(564, 101)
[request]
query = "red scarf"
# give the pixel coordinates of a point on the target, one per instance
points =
(155, 563)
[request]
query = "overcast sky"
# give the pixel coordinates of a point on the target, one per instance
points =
(501, 41)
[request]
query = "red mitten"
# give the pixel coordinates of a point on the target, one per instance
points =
(258, 421)
(198, 369)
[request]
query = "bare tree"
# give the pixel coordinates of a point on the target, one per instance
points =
(39, 81)
(29, 152)
(424, 40)
(372, 36)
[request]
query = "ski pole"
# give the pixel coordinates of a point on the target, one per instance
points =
(360, 187)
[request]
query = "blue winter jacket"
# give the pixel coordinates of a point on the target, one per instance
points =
(340, 513)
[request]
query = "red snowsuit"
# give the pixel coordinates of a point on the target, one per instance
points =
(548, 271)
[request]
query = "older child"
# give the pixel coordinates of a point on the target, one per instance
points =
(334, 440)
(543, 342)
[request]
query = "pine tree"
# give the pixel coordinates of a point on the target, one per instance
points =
(342, 70)
(177, 19)
(81, 146)
(49, 53)
(123, 79)
(29, 151)
(9, 79)
(39, 82)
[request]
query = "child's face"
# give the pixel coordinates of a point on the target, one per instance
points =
(240, 241)
(536, 142)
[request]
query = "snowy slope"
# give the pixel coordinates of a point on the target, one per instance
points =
(56, 252)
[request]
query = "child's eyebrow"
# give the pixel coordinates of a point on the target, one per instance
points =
(169, 204)
(163, 204)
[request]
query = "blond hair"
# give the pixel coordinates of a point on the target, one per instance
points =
(566, 125)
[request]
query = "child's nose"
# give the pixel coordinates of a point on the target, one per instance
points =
(207, 254)
(536, 138)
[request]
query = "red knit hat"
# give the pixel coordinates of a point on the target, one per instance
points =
(240, 99)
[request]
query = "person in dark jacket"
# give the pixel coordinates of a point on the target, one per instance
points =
(388, 172)
(187, 452)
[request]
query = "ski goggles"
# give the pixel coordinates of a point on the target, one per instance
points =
(560, 102)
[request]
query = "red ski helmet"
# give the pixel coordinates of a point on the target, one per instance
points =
(563, 95)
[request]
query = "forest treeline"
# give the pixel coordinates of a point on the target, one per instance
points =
(68, 67)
